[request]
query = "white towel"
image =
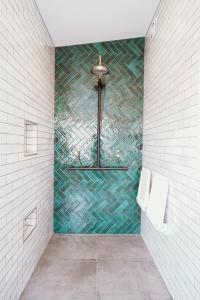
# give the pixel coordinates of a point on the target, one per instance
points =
(158, 200)
(144, 188)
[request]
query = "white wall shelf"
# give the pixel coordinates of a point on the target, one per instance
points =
(30, 223)
(30, 138)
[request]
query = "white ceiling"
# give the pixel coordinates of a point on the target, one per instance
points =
(72, 22)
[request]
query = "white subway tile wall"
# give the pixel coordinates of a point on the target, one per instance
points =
(171, 141)
(26, 182)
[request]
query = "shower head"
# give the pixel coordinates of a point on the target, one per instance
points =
(100, 70)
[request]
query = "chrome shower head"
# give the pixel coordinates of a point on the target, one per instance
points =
(100, 70)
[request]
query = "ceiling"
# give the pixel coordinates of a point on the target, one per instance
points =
(72, 22)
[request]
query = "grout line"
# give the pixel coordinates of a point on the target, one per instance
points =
(97, 247)
(96, 290)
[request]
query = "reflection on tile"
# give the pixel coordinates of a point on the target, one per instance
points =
(119, 277)
(55, 294)
(71, 247)
(135, 296)
(69, 277)
(121, 247)
(151, 282)
(158, 296)
(116, 277)
(35, 293)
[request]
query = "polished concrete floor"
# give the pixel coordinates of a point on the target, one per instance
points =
(96, 268)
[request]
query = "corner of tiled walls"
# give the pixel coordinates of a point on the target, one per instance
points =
(171, 141)
(26, 181)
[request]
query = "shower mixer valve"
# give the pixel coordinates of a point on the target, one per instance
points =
(79, 154)
(118, 158)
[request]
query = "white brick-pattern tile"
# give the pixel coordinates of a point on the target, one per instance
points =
(26, 182)
(172, 140)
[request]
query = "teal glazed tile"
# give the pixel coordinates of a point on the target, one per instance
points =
(94, 202)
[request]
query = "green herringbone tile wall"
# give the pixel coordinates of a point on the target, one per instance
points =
(92, 201)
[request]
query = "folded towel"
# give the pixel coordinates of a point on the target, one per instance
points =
(157, 201)
(144, 188)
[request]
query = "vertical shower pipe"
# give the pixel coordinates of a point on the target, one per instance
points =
(99, 116)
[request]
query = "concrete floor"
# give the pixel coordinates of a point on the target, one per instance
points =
(96, 268)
